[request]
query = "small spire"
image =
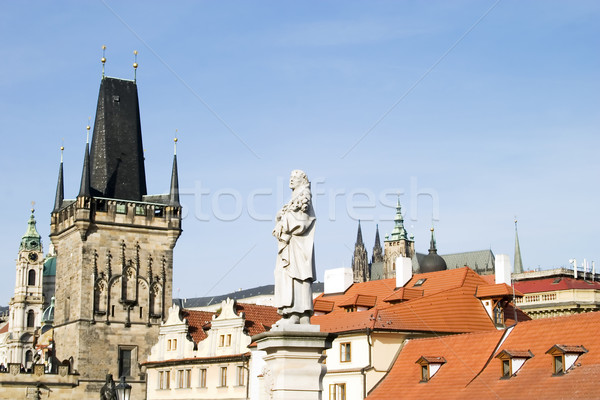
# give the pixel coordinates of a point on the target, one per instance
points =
(60, 188)
(432, 248)
(175, 143)
(135, 65)
(84, 188)
(174, 191)
(103, 59)
(518, 263)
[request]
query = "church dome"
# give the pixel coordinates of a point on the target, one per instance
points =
(433, 261)
(48, 315)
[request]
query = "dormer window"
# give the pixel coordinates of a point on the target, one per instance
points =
(512, 361)
(429, 366)
(564, 357)
(420, 282)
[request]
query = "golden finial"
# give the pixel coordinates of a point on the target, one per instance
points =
(32, 206)
(135, 65)
(62, 149)
(103, 58)
(175, 143)
(144, 154)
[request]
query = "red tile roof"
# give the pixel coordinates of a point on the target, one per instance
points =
(403, 294)
(548, 285)
(198, 321)
(448, 305)
(363, 300)
(4, 328)
(258, 319)
(472, 372)
(497, 290)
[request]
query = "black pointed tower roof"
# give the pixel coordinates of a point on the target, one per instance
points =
(84, 187)
(60, 186)
(359, 239)
(116, 157)
(433, 261)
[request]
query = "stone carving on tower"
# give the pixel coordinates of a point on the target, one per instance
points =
(396, 244)
(114, 245)
(360, 262)
(26, 306)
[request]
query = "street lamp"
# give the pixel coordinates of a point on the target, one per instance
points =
(123, 390)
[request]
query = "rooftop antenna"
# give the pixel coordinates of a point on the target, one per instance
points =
(135, 65)
(574, 262)
(593, 271)
(103, 59)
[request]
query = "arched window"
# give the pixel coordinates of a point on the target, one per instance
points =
(30, 319)
(28, 359)
(31, 277)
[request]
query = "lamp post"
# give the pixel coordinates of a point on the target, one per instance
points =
(123, 390)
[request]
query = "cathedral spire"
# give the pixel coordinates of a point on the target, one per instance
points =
(84, 188)
(174, 191)
(360, 261)
(60, 187)
(377, 250)
(359, 238)
(518, 261)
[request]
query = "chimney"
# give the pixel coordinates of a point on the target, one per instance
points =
(503, 269)
(403, 271)
(337, 280)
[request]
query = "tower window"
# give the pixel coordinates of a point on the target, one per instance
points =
(30, 319)
(125, 361)
(31, 277)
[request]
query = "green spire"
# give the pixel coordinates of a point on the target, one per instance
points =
(31, 238)
(399, 233)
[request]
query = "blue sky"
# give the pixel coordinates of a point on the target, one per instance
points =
(474, 111)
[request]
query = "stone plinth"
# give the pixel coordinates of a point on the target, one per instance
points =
(294, 361)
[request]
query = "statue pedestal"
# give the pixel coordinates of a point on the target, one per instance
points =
(294, 361)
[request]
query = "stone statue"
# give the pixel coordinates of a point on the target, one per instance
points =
(109, 390)
(295, 267)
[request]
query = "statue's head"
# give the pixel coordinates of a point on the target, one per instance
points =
(298, 178)
(109, 378)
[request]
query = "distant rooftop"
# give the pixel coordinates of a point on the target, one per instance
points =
(264, 290)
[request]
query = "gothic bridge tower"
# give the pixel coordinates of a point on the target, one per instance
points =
(114, 245)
